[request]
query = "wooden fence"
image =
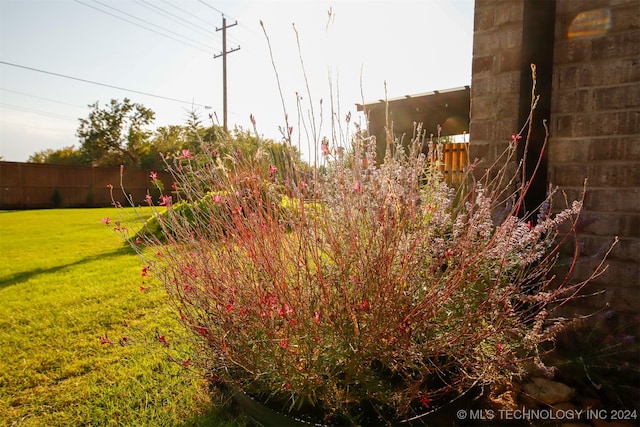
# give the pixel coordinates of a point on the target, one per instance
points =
(36, 185)
(455, 159)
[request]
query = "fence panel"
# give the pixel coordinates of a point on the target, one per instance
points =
(36, 185)
(455, 159)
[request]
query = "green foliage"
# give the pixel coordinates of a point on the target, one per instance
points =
(56, 198)
(187, 211)
(65, 284)
(115, 135)
(220, 155)
(70, 156)
(165, 139)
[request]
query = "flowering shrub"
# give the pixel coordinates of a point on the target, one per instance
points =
(359, 292)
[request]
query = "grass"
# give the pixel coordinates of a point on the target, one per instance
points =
(66, 281)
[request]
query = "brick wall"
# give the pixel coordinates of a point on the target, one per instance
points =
(595, 130)
(594, 120)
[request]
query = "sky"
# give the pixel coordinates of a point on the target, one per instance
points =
(59, 56)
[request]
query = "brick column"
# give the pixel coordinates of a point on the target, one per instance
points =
(495, 80)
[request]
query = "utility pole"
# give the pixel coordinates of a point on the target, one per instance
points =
(224, 66)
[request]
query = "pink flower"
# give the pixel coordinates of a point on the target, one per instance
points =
(272, 171)
(165, 200)
(163, 340)
(499, 348)
(529, 225)
(110, 187)
(106, 220)
(253, 119)
(148, 199)
(105, 340)
(425, 401)
(145, 271)
(138, 241)
(316, 317)
(356, 186)
(515, 138)
(348, 118)
(285, 310)
(186, 363)
(186, 154)
(284, 343)
(217, 198)
(324, 146)
(153, 176)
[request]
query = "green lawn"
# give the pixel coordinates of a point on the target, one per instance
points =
(66, 280)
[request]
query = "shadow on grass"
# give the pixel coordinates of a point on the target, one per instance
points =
(228, 415)
(23, 276)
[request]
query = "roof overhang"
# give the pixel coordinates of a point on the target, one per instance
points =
(435, 100)
(443, 112)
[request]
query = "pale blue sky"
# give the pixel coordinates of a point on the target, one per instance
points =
(415, 46)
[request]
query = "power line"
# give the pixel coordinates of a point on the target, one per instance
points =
(222, 13)
(215, 8)
(149, 23)
(199, 18)
(103, 84)
(180, 20)
(41, 97)
(186, 12)
(31, 110)
(142, 26)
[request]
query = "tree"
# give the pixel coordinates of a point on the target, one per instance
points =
(116, 134)
(70, 156)
(198, 134)
(165, 140)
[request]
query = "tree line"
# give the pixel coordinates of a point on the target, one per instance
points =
(119, 133)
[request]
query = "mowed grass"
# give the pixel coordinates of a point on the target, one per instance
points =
(66, 280)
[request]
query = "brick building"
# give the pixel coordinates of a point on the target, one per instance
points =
(587, 54)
